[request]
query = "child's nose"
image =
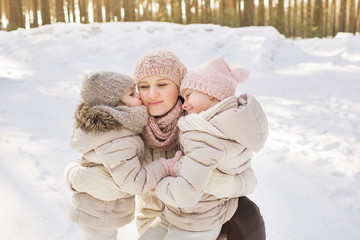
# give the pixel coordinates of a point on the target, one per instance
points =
(184, 106)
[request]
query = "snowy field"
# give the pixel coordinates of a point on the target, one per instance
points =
(308, 172)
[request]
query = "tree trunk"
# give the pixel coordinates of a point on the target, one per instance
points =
(45, 12)
(302, 22)
(261, 13)
(222, 14)
(117, 10)
(34, 9)
(163, 12)
(280, 22)
(97, 8)
(109, 11)
(207, 12)
(309, 23)
(333, 16)
(249, 8)
(271, 17)
(358, 17)
(318, 16)
(84, 15)
(352, 19)
(129, 8)
(295, 20)
(176, 11)
(59, 6)
(342, 20)
(289, 21)
(188, 6)
(16, 18)
(1, 9)
(326, 13)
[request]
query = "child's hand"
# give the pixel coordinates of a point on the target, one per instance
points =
(169, 163)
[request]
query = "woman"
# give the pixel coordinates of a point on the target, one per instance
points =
(158, 75)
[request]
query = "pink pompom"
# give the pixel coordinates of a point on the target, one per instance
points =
(240, 73)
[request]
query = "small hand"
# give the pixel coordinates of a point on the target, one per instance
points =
(169, 163)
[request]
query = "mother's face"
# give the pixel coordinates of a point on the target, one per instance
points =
(159, 94)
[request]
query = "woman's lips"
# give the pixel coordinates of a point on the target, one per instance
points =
(154, 103)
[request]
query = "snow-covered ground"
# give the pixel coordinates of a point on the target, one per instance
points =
(308, 172)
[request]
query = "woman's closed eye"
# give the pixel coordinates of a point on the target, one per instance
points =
(144, 86)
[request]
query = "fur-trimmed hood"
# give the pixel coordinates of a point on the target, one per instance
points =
(100, 119)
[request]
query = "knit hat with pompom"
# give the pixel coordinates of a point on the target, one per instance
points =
(215, 78)
(161, 63)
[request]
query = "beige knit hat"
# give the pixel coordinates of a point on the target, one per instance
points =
(215, 78)
(160, 62)
(105, 88)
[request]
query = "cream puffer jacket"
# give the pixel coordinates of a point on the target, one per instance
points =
(223, 137)
(120, 151)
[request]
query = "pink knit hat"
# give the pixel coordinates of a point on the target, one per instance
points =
(215, 78)
(160, 62)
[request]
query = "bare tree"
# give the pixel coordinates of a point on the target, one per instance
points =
(129, 9)
(326, 16)
(84, 15)
(261, 13)
(16, 18)
(1, 9)
(163, 12)
(176, 11)
(97, 8)
(342, 20)
(333, 16)
(358, 16)
(302, 17)
(280, 14)
(34, 9)
(249, 12)
(207, 12)
(188, 6)
(318, 17)
(289, 21)
(59, 6)
(271, 21)
(352, 19)
(117, 9)
(295, 20)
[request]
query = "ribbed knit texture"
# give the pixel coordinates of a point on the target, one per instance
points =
(105, 88)
(215, 78)
(161, 63)
(162, 132)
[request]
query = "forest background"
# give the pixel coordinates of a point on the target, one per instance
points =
(293, 18)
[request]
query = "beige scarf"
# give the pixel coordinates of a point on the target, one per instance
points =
(162, 132)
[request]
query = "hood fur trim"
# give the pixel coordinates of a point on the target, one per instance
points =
(94, 121)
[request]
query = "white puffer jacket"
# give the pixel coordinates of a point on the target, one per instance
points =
(223, 137)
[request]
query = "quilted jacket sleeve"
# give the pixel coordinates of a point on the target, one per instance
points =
(122, 158)
(203, 152)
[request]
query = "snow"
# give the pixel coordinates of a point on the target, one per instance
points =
(308, 172)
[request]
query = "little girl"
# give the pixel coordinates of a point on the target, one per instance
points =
(108, 122)
(220, 133)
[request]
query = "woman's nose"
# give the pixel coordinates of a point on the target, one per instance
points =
(153, 92)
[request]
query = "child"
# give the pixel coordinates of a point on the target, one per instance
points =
(221, 132)
(108, 122)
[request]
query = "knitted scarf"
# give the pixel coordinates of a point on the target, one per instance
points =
(162, 132)
(201, 122)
